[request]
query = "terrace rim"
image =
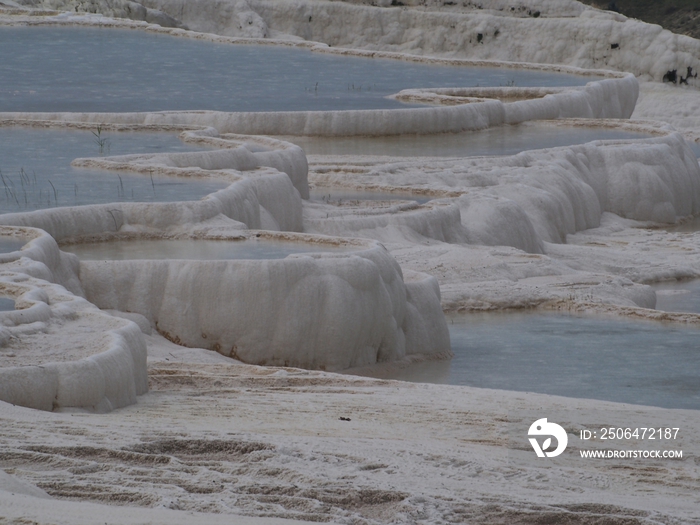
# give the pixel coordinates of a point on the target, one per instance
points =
(609, 95)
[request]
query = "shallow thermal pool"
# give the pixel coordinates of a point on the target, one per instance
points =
(36, 170)
(6, 304)
(695, 147)
(501, 140)
(195, 249)
(11, 244)
(116, 70)
(584, 357)
(683, 296)
(687, 227)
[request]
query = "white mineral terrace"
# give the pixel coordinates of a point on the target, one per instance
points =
(176, 361)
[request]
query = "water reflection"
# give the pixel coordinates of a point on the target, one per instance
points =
(500, 140)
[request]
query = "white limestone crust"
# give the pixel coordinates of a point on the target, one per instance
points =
(56, 349)
(542, 32)
(321, 311)
(607, 98)
(522, 200)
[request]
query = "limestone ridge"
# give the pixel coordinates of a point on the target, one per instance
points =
(111, 8)
(545, 32)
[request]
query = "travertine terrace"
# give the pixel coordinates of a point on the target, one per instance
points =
(132, 391)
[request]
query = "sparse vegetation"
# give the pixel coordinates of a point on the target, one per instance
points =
(358, 87)
(23, 193)
(101, 141)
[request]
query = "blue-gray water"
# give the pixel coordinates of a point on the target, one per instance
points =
(36, 171)
(695, 147)
(681, 296)
(193, 249)
(6, 304)
(583, 357)
(113, 70)
(11, 244)
(501, 140)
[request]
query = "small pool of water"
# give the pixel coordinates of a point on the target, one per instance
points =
(687, 227)
(340, 196)
(501, 140)
(36, 170)
(117, 70)
(583, 357)
(194, 249)
(6, 304)
(695, 147)
(683, 296)
(11, 244)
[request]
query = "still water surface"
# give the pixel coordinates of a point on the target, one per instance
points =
(36, 170)
(501, 140)
(584, 357)
(195, 249)
(116, 70)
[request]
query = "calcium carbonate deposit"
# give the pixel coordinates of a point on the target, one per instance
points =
(209, 208)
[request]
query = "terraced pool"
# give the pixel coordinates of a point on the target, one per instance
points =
(83, 69)
(618, 360)
(36, 170)
(501, 140)
(195, 249)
